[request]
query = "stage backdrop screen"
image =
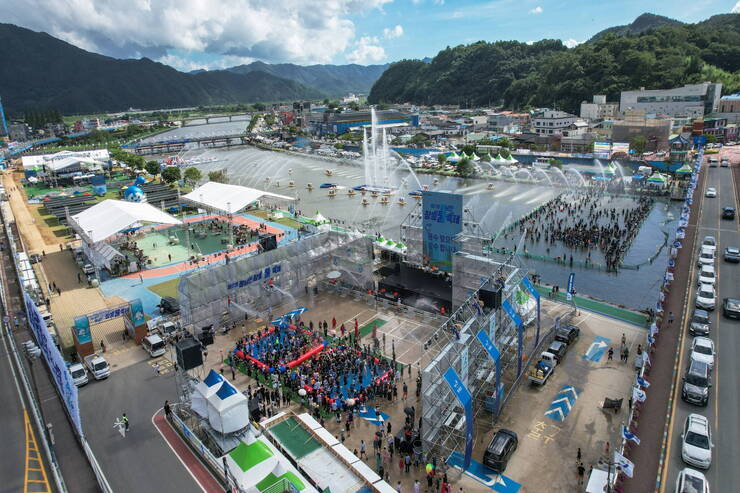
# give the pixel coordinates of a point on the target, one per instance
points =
(442, 221)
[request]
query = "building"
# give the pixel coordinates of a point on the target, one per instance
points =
(553, 122)
(339, 123)
(635, 123)
(679, 146)
(19, 132)
(582, 143)
(729, 107)
(508, 122)
(599, 109)
(694, 100)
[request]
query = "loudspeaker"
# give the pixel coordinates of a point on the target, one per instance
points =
(206, 338)
(189, 354)
(268, 242)
(490, 299)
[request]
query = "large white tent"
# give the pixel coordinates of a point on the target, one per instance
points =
(228, 198)
(228, 409)
(109, 217)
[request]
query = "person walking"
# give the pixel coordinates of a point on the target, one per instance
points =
(405, 391)
(417, 486)
(610, 354)
(363, 449)
(670, 319)
(581, 473)
(124, 418)
(407, 462)
(167, 410)
(398, 487)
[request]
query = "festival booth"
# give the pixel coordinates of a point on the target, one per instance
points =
(99, 225)
(228, 409)
(222, 197)
(203, 391)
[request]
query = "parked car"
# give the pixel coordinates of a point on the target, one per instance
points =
(706, 275)
(709, 241)
(499, 451)
(702, 349)
(154, 345)
(696, 383)
(725, 162)
(699, 323)
(567, 334)
(706, 256)
(706, 297)
(731, 308)
(78, 372)
(558, 349)
(711, 192)
(98, 366)
(691, 481)
(169, 305)
(541, 371)
(728, 213)
(732, 254)
(696, 442)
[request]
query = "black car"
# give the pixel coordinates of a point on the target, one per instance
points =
(499, 451)
(567, 334)
(35, 258)
(732, 254)
(731, 308)
(696, 383)
(169, 305)
(558, 349)
(699, 323)
(728, 213)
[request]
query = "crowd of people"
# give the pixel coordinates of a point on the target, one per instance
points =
(584, 221)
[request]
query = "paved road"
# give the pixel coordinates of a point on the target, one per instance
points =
(14, 437)
(724, 405)
(142, 461)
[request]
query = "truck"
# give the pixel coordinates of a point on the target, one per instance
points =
(78, 372)
(97, 366)
(542, 370)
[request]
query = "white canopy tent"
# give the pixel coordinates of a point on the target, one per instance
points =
(228, 198)
(109, 217)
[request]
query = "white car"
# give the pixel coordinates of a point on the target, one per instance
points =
(706, 256)
(706, 275)
(711, 192)
(691, 481)
(706, 297)
(709, 241)
(696, 442)
(702, 349)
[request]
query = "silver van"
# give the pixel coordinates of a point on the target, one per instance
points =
(154, 345)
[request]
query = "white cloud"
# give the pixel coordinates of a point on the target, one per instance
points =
(185, 64)
(393, 32)
(736, 9)
(572, 43)
(536, 10)
(530, 42)
(301, 31)
(366, 51)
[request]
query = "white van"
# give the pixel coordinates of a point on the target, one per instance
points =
(713, 162)
(154, 345)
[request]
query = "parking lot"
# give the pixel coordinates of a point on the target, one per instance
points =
(553, 420)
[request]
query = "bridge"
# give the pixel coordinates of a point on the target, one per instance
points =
(177, 145)
(208, 119)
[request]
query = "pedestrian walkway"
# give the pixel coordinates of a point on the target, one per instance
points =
(600, 307)
(35, 477)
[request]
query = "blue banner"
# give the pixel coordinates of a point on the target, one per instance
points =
(571, 283)
(58, 368)
(442, 221)
(488, 345)
(107, 314)
(512, 313)
(462, 394)
(82, 330)
(136, 312)
(530, 287)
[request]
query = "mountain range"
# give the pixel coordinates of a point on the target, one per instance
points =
(653, 51)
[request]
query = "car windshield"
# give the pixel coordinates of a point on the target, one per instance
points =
(706, 294)
(707, 255)
(733, 250)
(701, 319)
(707, 273)
(78, 373)
(101, 366)
(692, 484)
(696, 380)
(697, 440)
(157, 346)
(703, 349)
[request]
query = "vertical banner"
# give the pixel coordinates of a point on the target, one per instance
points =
(533, 291)
(466, 400)
(136, 312)
(58, 368)
(442, 213)
(520, 335)
(492, 326)
(82, 330)
(571, 286)
(495, 355)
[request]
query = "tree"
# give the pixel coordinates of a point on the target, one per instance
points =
(711, 138)
(556, 163)
(638, 144)
(218, 176)
(504, 153)
(171, 174)
(465, 167)
(468, 149)
(503, 142)
(259, 106)
(339, 145)
(152, 167)
(441, 158)
(192, 175)
(486, 157)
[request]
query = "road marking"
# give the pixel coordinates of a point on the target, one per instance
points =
(597, 349)
(34, 462)
(563, 402)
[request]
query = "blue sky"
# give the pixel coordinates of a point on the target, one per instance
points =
(191, 34)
